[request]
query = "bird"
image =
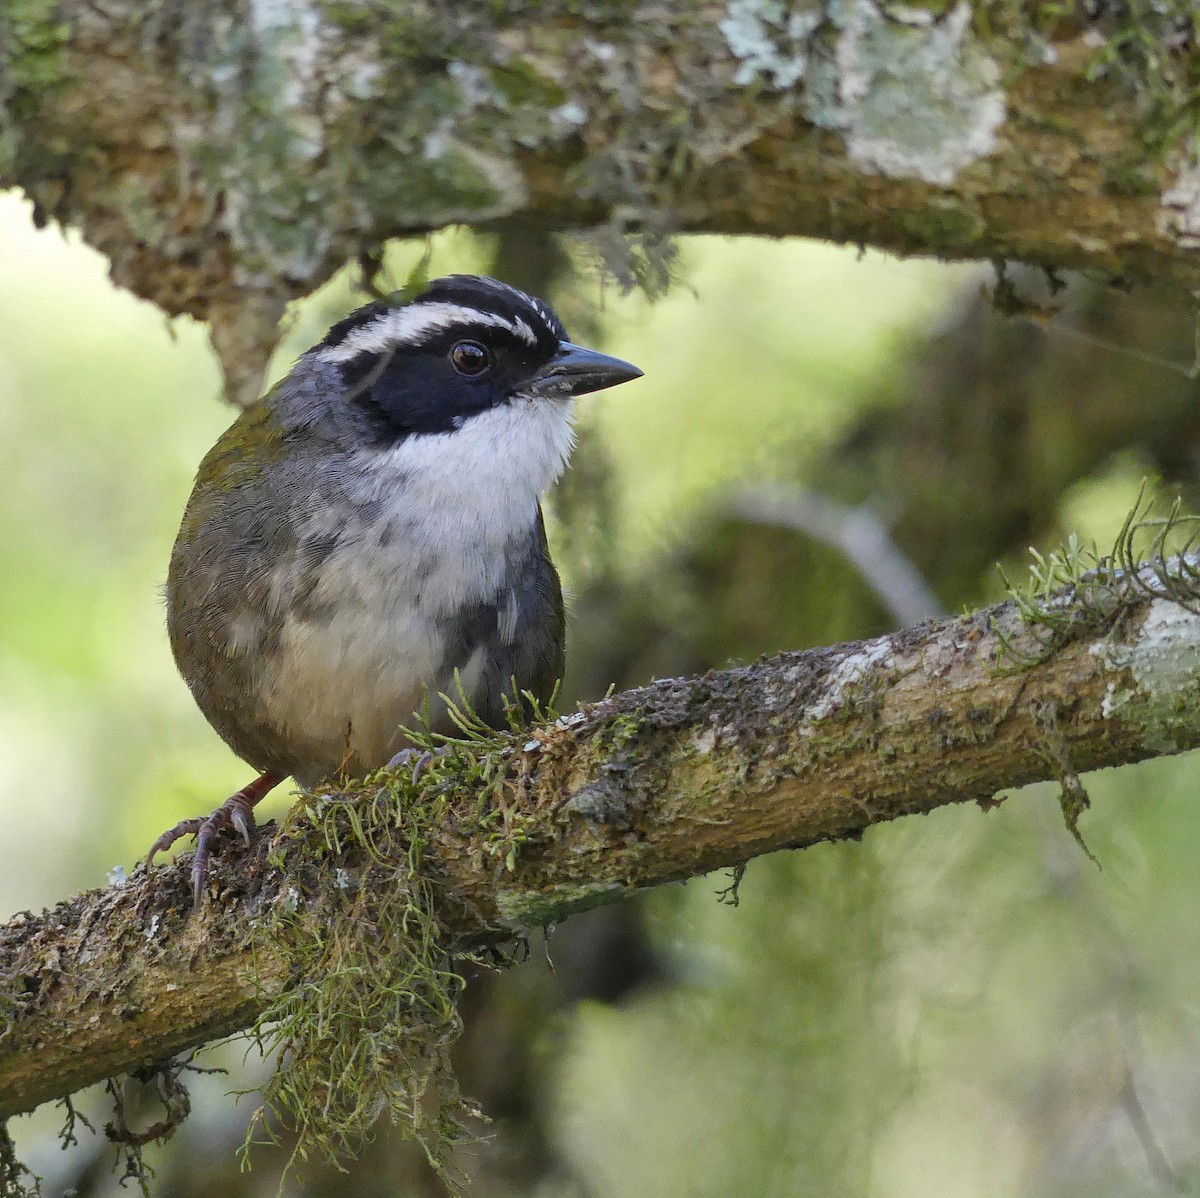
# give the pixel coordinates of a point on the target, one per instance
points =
(368, 538)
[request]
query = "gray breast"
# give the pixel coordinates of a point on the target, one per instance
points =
(386, 620)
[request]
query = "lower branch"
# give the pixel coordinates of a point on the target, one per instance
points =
(650, 786)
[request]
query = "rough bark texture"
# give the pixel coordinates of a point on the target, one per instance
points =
(228, 156)
(648, 787)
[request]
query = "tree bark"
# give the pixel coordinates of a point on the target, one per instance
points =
(650, 786)
(229, 156)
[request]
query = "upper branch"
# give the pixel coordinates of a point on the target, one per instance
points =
(230, 150)
(649, 786)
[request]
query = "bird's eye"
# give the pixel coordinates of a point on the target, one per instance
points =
(470, 358)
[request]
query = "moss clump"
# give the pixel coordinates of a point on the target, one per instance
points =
(1151, 47)
(33, 36)
(1076, 590)
(529, 909)
(1147, 48)
(1066, 594)
(365, 1029)
(944, 225)
(623, 731)
(33, 39)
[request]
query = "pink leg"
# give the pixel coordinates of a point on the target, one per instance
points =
(237, 812)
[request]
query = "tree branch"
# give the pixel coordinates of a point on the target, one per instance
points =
(229, 156)
(650, 786)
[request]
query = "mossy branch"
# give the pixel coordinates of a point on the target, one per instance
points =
(647, 787)
(228, 157)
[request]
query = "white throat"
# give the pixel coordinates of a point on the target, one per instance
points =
(491, 472)
(458, 499)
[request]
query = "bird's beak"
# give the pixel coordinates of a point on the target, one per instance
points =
(575, 371)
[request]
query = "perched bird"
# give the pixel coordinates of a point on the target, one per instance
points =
(369, 535)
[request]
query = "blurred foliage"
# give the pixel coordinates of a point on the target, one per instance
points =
(961, 1005)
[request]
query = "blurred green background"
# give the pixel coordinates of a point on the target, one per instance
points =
(960, 1006)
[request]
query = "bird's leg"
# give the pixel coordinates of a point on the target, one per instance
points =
(237, 812)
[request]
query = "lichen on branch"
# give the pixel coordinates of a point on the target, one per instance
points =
(242, 149)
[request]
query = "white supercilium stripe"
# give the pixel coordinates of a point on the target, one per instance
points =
(409, 324)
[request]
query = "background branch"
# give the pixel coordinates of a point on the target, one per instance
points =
(857, 532)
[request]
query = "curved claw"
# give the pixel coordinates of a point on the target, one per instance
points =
(237, 812)
(234, 813)
(185, 827)
(242, 819)
(419, 759)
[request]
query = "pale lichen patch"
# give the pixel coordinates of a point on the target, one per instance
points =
(1115, 697)
(915, 95)
(848, 675)
(913, 99)
(768, 41)
(1163, 660)
(1179, 216)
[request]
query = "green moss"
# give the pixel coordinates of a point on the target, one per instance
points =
(945, 224)
(819, 746)
(1019, 21)
(1077, 591)
(621, 732)
(33, 40)
(910, 11)
(366, 1029)
(519, 83)
(1147, 48)
(523, 909)
(1132, 176)
(1150, 48)
(1066, 594)
(432, 187)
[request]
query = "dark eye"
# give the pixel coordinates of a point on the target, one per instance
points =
(470, 358)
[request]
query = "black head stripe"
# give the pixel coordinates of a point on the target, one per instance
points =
(450, 308)
(365, 315)
(490, 295)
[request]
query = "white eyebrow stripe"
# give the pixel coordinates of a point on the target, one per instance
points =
(409, 324)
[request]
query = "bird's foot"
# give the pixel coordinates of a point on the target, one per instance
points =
(419, 759)
(237, 812)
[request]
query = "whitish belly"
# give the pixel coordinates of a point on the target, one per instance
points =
(340, 688)
(364, 656)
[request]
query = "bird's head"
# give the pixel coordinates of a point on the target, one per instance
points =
(462, 347)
